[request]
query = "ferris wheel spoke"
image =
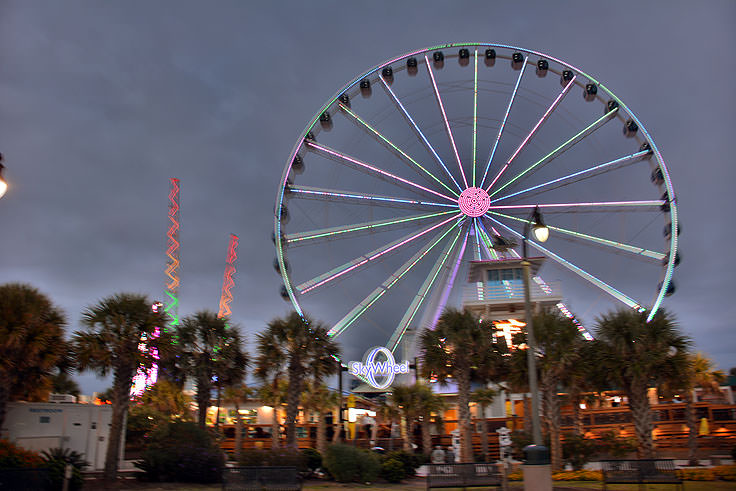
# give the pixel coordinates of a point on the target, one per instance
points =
(503, 122)
(341, 157)
(450, 274)
(639, 251)
(645, 205)
(478, 256)
(486, 240)
(444, 117)
(544, 118)
(577, 270)
(559, 150)
(364, 259)
(426, 287)
(475, 113)
(581, 175)
(381, 138)
(536, 127)
(350, 318)
(310, 192)
(332, 232)
(420, 134)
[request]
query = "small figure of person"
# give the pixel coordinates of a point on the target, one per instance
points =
(449, 456)
(438, 455)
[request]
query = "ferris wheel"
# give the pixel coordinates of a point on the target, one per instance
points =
(433, 159)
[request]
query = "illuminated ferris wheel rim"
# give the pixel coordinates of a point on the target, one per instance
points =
(487, 205)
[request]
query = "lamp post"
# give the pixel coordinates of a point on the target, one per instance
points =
(3, 184)
(536, 470)
(541, 233)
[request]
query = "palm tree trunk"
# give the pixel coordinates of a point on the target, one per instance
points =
(483, 433)
(405, 437)
(426, 435)
(692, 429)
(275, 428)
(3, 402)
(527, 415)
(552, 418)
(203, 400)
(238, 433)
(641, 414)
(292, 404)
(466, 436)
(321, 433)
(577, 414)
(219, 401)
(120, 401)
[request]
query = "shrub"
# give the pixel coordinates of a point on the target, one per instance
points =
(182, 452)
(312, 459)
(410, 461)
(578, 475)
(56, 460)
(393, 470)
(350, 464)
(725, 472)
(616, 446)
(12, 456)
(578, 451)
(696, 474)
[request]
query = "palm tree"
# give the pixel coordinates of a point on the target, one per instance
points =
(108, 342)
(460, 346)
(300, 347)
(274, 394)
(517, 380)
(238, 394)
(320, 399)
(214, 354)
(557, 339)
(167, 398)
(582, 378)
(31, 342)
(405, 398)
(698, 372)
(428, 403)
(635, 355)
(385, 412)
(484, 398)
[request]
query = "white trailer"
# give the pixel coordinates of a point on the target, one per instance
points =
(83, 428)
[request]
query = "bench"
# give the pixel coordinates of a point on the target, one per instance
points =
(260, 478)
(641, 472)
(463, 475)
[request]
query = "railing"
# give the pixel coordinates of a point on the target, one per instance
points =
(512, 290)
(669, 429)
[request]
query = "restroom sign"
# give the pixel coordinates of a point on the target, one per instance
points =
(379, 363)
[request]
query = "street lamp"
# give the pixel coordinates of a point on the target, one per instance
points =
(3, 184)
(541, 233)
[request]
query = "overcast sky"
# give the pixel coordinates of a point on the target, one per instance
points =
(102, 102)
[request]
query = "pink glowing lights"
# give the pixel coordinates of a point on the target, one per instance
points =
(474, 202)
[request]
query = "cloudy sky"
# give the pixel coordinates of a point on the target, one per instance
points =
(102, 102)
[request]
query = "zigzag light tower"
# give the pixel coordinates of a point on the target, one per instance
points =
(227, 280)
(172, 252)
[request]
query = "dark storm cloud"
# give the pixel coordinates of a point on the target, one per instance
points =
(101, 103)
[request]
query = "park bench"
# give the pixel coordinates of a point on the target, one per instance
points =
(641, 472)
(463, 475)
(260, 478)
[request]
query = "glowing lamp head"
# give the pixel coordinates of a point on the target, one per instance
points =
(541, 231)
(3, 184)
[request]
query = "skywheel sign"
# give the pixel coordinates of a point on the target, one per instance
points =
(372, 369)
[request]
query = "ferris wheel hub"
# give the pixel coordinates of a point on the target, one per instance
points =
(474, 202)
